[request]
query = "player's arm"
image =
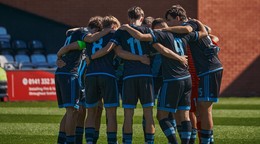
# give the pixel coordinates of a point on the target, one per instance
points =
(103, 51)
(136, 34)
(179, 29)
(170, 54)
(78, 45)
(97, 35)
(129, 56)
(214, 38)
(72, 30)
(202, 30)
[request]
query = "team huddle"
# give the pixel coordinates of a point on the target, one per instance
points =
(145, 60)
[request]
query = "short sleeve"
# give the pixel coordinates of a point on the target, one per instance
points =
(191, 37)
(116, 37)
(192, 24)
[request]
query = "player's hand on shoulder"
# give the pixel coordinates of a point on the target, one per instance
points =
(60, 63)
(124, 26)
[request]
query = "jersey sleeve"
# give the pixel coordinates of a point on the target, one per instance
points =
(157, 37)
(192, 24)
(116, 37)
(191, 37)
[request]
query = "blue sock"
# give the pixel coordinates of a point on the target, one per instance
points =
(149, 137)
(70, 139)
(168, 130)
(61, 138)
(205, 136)
(79, 135)
(111, 137)
(127, 138)
(96, 136)
(172, 120)
(193, 136)
(89, 134)
(186, 132)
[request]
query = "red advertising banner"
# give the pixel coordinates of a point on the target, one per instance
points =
(30, 85)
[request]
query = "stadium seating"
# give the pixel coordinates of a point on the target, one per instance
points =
(39, 61)
(5, 47)
(24, 61)
(36, 46)
(51, 59)
(17, 54)
(20, 47)
(4, 36)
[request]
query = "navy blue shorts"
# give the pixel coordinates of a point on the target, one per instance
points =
(101, 87)
(175, 95)
(67, 90)
(138, 88)
(209, 86)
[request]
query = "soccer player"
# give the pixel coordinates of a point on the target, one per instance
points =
(175, 75)
(208, 69)
(67, 89)
(137, 82)
(101, 84)
(68, 61)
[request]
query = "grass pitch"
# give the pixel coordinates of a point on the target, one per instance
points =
(237, 121)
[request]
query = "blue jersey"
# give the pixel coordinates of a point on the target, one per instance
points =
(130, 44)
(72, 58)
(202, 62)
(102, 65)
(173, 69)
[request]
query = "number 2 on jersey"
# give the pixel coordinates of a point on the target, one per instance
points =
(132, 42)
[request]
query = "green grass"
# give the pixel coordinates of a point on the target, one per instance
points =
(236, 121)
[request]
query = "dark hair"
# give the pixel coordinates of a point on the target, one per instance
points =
(109, 20)
(95, 22)
(135, 12)
(148, 20)
(176, 10)
(157, 21)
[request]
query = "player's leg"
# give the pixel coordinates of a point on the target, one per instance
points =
(209, 87)
(129, 101)
(149, 125)
(167, 104)
(183, 108)
(109, 92)
(81, 118)
(98, 121)
(69, 89)
(127, 125)
(92, 97)
(146, 93)
(193, 111)
(71, 122)
(62, 133)
(193, 119)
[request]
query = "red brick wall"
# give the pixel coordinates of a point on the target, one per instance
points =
(237, 24)
(77, 12)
